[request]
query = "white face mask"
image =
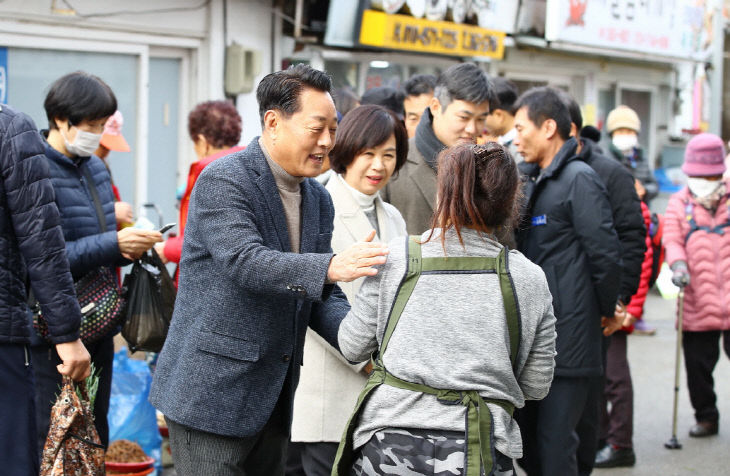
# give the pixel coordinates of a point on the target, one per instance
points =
(625, 142)
(701, 187)
(84, 144)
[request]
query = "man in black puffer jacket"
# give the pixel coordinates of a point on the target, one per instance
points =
(568, 231)
(625, 203)
(629, 224)
(31, 247)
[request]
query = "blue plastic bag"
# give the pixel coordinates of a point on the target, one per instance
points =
(131, 416)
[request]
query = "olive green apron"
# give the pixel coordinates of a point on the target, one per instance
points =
(479, 431)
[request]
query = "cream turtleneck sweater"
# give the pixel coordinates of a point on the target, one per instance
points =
(365, 201)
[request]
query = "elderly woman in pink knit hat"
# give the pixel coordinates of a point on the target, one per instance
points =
(697, 240)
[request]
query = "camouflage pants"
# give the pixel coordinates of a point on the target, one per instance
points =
(411, 452)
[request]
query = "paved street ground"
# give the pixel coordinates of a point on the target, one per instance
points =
(652, 367)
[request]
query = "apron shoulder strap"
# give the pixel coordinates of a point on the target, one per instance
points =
(416, 264)
(413, 272)
(511, 306)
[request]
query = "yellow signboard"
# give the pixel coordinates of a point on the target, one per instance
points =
(589, 114)
(401, 32)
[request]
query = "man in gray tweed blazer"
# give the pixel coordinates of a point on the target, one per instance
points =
(257, 269)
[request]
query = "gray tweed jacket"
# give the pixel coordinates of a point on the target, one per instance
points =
(244, 300)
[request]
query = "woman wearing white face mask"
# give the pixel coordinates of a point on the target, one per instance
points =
(697, 240)
(623, 126)
(77, 106)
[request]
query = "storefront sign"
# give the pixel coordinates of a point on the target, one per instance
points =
(664, 27)
(401, 32)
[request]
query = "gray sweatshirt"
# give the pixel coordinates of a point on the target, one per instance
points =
(452, 335)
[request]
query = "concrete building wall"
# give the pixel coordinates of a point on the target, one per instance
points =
(193, 32)
(251, 24)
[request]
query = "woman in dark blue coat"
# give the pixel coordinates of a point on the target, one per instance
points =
(77, 107)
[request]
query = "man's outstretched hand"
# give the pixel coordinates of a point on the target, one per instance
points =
(357, 260)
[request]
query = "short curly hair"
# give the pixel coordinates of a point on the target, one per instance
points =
(217, 121)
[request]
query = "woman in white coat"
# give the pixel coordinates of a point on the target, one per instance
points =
(370, 146)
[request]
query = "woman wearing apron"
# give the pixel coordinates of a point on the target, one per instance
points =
(461, 332)
(371, 145)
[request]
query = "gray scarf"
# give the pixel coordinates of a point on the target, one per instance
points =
(426, 141)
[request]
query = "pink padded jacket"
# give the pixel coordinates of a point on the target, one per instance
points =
(707, 253)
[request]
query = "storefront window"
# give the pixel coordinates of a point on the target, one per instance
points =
(344, 73)
(523, 86)
(162, 150)
(424, 69)
(639, 101)
(606, 103)
(383, 73)
(32, 71)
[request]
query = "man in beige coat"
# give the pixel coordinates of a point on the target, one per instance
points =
(457, 112)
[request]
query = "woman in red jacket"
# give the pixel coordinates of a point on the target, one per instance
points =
(215, 129)
(617, 426)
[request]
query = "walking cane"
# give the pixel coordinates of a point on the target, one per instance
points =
(673, 444)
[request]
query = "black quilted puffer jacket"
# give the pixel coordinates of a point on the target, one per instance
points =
(31, 239)
(568, 231)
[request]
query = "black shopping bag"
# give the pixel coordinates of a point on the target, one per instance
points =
(150, 299)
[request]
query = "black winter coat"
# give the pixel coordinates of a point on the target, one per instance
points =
(568, 231)
(626, 211)
(31, 239)
(87, 245)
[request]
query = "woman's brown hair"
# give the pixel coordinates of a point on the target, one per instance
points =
(366, 127)
(477, 188)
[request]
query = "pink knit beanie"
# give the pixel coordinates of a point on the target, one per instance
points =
(704, 156)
